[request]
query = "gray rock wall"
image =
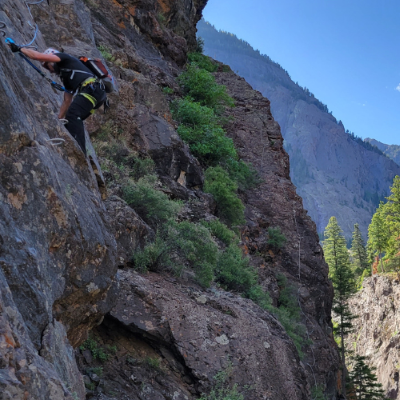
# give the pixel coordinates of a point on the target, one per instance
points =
(57, 255)
(376, 330)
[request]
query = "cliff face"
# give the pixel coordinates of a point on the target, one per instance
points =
(64, 235)
(376, 333)
(335, 175)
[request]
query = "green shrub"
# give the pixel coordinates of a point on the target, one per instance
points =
(199, 45)
(202, 61)
(245, 175)
(178, 245)
(208, 143)
(223, 188)
(201, 86)
(167, 90)
(317, 393)
(288, 313)
(260, 297)
(98, 352)
(191, 113)
(200, 130)
(153, 363)
(221, 389)
(233, 270)
(192, 243)
(152, 205)
(106, 53)
(140, 167)
(152, 256)
(220, 231)
(276, 238)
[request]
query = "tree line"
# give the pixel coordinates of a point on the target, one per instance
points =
(347, 270)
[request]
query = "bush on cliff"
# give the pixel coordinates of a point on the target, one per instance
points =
(180, 245)
(233, 270)
(220, 231)
(152, 205)
(223, 188)
(202, 61)
(276, 238)
(200, 130)
(200, 85)
(221, 389)
(288, 313)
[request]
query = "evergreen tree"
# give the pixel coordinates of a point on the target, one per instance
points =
(378, 234)
(363, 382)
(358, 253)
(337, 257)
(392, 213)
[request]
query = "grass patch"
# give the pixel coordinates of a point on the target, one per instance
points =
(106, 53)
(153, 363)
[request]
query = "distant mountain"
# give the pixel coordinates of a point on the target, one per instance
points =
(391, 150)
(336, 173)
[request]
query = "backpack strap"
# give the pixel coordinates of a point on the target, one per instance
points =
(74, 71)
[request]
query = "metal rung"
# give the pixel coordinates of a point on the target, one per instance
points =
(56, 141)
(2, 26)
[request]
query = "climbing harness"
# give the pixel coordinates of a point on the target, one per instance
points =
(2, 26)
(55, 85)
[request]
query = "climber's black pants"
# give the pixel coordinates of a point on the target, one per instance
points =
(81, 108)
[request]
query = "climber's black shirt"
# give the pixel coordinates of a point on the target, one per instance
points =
(65, 69)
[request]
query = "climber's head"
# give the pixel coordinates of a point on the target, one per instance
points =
(48, 65)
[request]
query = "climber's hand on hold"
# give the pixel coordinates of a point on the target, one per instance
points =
(14, 47)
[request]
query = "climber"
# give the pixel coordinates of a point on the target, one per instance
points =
(78, 80)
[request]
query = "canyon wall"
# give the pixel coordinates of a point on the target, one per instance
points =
(334, 174)
(67, 236)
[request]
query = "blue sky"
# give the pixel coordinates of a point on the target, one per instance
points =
(347, 52)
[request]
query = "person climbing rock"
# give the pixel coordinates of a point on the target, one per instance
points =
(85, 92)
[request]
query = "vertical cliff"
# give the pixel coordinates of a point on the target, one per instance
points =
(334, 174)
(376, 329)
(66, 230)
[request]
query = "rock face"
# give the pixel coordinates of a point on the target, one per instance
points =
(57, 253)
(208, 331)
(275, 203)
(376, 330)
(62, 240)
(334, 174)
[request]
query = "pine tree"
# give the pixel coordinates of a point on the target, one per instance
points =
(359, 253)
(337, 257)
(363, 383)
(378, 234)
